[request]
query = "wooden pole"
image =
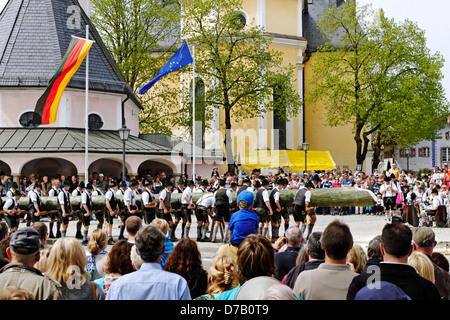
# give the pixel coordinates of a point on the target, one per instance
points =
(346, 197)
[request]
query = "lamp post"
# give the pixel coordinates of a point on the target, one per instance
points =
(124, 132)
(305, 147)
(407, 151)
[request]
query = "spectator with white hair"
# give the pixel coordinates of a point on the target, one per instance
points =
(279, 292)
(286, 259)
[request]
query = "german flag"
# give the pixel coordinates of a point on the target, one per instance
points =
(47, 105)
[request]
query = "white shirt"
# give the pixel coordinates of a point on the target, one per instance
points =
(120, 192)
(84, 196)
(9, 202)
(129, 196)
(294, 184)
(97, 192)
(187, 193)
(109, 194)
(276, 196)
(265, 195)
(61, 196)
(411, 180)
(388, 193)
(10, 193)
(33, 196)
(308, 196)
(76, 192)
(53, 192)
(177, 191)
(436, 202)
(206, 201)
(199, 190)
(146, 197)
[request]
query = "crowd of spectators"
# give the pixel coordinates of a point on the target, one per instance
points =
(399, 264)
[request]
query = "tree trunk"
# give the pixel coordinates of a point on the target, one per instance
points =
(228, 143)
(346, 197)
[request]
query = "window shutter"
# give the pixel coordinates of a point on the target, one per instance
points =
(420, 152)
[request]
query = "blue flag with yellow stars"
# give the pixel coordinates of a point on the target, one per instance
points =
(179, 60)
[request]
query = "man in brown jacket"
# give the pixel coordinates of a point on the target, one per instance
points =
(24, 252)
(424, 242)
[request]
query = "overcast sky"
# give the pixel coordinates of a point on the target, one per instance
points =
(430, 15)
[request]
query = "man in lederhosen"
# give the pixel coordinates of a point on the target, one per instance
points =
(181, 186)
(64, 207)
(263, 207)
(284, 213)
(54, 192)
(12, 211)
(389, 192)
(77, 192)
(302, 210)
(84, 215)
(148, 204)
(165, 208)
(111, 209)
(186, 209)
(275, 218)
(35, 204)
(129, 203)
(98, 214)
(222, 202)
(202, 213)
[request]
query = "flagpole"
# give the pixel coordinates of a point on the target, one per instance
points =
(193, 113)
(86, 120)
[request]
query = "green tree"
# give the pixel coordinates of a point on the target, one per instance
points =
(141, 35)
(235, 59)
(379, 76)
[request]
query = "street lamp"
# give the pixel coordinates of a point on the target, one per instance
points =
(124, 132)
(305, 147)
(407, 151)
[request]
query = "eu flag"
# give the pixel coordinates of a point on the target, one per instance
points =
(180, 59)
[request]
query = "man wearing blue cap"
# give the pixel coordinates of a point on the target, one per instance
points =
(245, 221)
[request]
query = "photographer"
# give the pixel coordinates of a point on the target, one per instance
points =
(286, 260)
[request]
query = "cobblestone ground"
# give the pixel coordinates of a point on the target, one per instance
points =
(363, 229)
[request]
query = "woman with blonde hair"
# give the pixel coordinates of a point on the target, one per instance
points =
(95, 253)
(221, 277)
(66, 264)
(256, 258)
(357, 257)
(422, 264)
(41, 265)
